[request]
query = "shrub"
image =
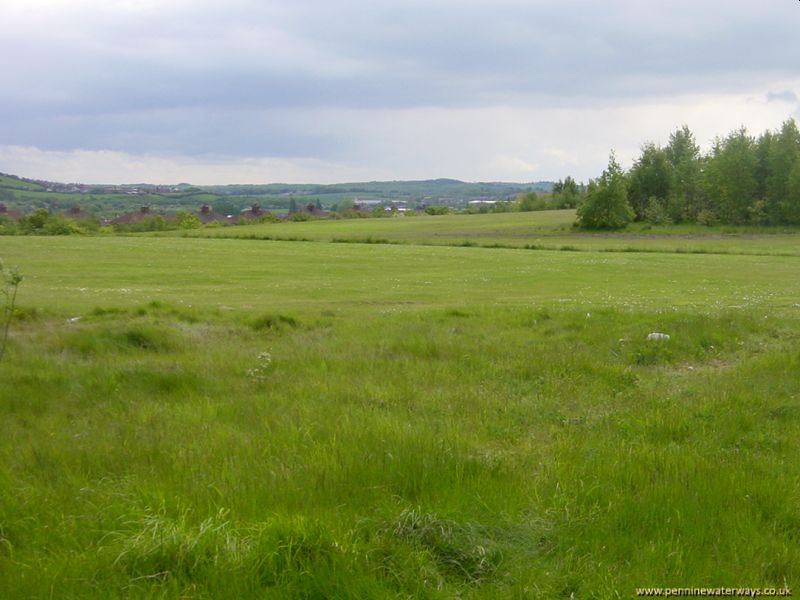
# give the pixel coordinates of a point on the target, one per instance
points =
(437, 209)
(706, 217)
(655, 212)
(606, 205)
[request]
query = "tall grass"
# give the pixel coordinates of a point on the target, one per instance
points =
(448, 452)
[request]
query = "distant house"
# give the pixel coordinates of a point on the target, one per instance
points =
(206, 215)
(254, 212)
(8, 214)
(133, 217)
(315, 210)
(365, 205)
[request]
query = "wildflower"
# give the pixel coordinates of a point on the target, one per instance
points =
(259, 372)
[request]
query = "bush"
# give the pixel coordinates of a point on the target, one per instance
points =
(706, 217)
(8, 226)
(606, 205)
(529, 202)
(655, 213)
(437, 209)
(187, 220)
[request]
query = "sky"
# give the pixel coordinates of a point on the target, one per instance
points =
(328, 91)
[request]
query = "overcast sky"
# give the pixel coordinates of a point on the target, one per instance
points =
(323, 91)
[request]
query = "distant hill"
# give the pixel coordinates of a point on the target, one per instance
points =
(25, 195)
(447, 190)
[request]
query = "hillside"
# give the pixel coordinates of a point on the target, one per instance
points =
(25, 195)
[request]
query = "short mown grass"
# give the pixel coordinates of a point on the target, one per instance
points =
(541, 230)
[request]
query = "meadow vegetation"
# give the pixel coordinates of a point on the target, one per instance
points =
(244, 418)
(544, 230)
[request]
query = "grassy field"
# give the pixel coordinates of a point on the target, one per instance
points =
(551, 230)
(236, 418)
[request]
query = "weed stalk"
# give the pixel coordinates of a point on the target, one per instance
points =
(11, 279)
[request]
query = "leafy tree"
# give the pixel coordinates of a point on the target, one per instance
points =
(226, 207)
(731, 177)
(529, 201)
(606, 205)
(649, 178)
(566, 194)
(763, 146)
(343, 207)
(783, 154)
(35, 221)
(685, 199)
(792, 205)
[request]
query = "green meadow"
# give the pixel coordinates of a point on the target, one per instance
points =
(543, 230)
(200, 417)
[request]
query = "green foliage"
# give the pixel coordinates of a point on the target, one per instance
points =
(566, 193)
(8, 226)
(731, 177)
(606, 205)
(783, 157)
(148, 223)
(706, 217)
(683, 156)
(35, 221)
(530, 201)
(187, 220)
(437, 209)
(344, 207)
(740, 181)
(649, 179)
(656, 212)
(43, 222)
(792, 202)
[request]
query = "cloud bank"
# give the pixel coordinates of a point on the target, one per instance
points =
(263, 91)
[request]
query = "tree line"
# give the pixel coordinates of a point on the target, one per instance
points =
(741, 180)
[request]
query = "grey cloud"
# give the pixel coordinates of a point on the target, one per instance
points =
(405, 55)
(208, 76)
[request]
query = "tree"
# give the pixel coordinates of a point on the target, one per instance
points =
(606, 205)
(528, 201)
(685, 199)
(763, 146)
(650, 178)
(784, 151)
(566, 194)
(793, 195)
(731, 178)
